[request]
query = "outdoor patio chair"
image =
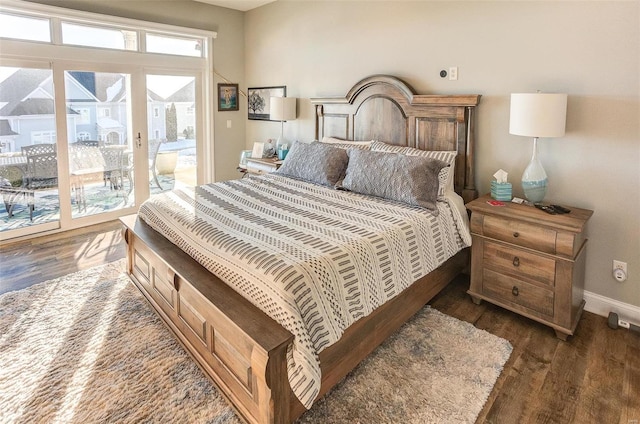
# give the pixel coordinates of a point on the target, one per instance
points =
(42, 171)
(42, 174)
(116, 167)
(39, 149)
(12, 189)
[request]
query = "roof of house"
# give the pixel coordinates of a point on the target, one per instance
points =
(19, 85)
(185, 94)
(106, 87)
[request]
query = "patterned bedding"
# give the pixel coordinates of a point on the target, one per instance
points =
(313, 258)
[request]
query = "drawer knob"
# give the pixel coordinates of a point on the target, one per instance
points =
(515, 291)
(516, 234)
(516, 261)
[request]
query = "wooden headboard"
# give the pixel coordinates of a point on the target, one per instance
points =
(384, 108)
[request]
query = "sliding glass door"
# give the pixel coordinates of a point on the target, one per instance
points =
(172, 108)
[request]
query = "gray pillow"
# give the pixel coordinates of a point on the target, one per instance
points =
(409, 179)
(315, 162)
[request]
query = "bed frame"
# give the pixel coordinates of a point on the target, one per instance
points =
(239, 347)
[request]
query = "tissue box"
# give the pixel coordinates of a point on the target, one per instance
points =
(501, 191)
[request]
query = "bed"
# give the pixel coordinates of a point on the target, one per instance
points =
(245, 351)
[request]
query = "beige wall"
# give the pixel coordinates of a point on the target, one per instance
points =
(228, 57)
(589, 50)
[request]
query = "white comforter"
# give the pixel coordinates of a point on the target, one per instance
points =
(313, 258)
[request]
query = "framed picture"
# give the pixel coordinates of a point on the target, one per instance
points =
(258, 98)
(227, 97)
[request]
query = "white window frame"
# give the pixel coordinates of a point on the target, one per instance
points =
(24, 53)
(43, 137)
(83, 136)
(84, 115)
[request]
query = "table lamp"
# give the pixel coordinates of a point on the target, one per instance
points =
(282, 109)
(537, 115)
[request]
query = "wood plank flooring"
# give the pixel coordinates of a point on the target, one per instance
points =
(594, 377)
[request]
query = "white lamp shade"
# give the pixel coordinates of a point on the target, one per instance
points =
(282, 108)
(538, 114)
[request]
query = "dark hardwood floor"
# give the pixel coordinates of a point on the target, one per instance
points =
(594, 377)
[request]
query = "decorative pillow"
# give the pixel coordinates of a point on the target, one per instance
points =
(445, 177)
(403, 178)
(346, 144)
(315, 162)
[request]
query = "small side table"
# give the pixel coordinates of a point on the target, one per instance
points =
(530, 262)
(263, 165)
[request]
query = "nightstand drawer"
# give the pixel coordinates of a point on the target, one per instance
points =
(520, 233)
(519, 263)
(511, 290)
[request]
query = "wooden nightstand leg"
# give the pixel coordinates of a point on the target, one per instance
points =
(562, 336)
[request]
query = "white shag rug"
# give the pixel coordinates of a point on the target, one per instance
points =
(87, 348)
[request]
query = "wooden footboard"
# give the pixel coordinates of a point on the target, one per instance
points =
(242, 349)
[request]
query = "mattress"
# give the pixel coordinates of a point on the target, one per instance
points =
(313, 258)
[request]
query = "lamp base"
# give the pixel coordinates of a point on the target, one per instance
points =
(534, 178)
(535, 191)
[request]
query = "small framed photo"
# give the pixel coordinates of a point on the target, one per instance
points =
(227, 97)
(259, 98)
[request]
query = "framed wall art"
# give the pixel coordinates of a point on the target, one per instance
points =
(227, 97)
(258, 100)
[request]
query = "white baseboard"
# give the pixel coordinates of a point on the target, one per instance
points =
(601, 305)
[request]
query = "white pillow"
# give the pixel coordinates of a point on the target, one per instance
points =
(346, 144)
(445, 177)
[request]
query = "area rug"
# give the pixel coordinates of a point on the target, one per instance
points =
(87, 348)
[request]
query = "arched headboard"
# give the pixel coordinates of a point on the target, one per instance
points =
(384, 108)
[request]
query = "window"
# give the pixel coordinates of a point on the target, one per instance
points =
(94, 36)
(105, 113)
(102, 32)
(84, 115)
(42, 137)
(13, 26)
(83, 136)
(156, 112)
(157, 43)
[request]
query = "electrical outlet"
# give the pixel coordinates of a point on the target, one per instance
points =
(453, 73)
(620, 270)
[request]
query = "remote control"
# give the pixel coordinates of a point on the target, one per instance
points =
(547, 209)
(560, 209)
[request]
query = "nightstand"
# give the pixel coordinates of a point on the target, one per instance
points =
(529, 262)
(263, 165)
